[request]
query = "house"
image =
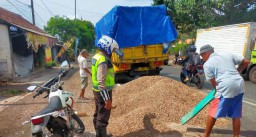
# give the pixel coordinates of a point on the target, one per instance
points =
(23, 46)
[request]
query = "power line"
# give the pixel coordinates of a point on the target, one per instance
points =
(17, 8)
(39, 24)
(40, 17)
(21, 8)
(23, 3)
(30, 18)
(47, 8)
(8, 5)
(30, 13)
(61, 5)
(39, 6)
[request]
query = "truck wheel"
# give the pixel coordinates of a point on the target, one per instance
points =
(166, 62)
(252, 75)
(123, 77)
(157, 72)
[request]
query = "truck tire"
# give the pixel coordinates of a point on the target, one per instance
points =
(252, 74)
(166, 62)
(123, 77)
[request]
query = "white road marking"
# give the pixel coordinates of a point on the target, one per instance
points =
(250, 103)
(244, 101)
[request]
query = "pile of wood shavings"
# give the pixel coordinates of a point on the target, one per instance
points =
(145, 106)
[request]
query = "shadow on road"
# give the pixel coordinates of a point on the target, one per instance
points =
(247, 133)
(149, 130)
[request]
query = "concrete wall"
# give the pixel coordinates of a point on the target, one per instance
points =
(5, 48)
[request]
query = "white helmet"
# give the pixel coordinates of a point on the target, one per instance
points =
(108, 45)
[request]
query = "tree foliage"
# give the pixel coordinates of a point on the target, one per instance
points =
(235, 11)
(66, 28)
(189, 15)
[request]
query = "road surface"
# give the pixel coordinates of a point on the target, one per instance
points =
(26, 107)
(249, 101)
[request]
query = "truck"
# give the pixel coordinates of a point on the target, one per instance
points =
(143, 34)
(238, 39)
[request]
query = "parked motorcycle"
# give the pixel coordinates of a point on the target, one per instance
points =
(196, 76)
(58, 118)
(178, 60)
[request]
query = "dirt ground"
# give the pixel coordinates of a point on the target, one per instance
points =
(36, 78)
(16, 113)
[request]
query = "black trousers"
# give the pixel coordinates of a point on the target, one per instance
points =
(101, 115)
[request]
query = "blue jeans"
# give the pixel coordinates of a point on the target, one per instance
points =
(184, 70)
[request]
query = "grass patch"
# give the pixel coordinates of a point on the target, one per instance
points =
(50, 64)
(11, 92)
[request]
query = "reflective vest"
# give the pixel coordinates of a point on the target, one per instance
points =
(110, 78)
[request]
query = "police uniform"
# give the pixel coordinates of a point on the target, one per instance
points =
(103, 81)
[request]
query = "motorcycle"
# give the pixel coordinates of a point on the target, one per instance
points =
(196, 76)
(178, 60)
(58, 118)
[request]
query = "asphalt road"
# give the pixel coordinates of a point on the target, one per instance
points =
(249, 101)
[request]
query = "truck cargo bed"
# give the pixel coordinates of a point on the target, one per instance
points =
(141, 54)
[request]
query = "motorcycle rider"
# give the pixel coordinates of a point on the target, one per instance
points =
(103, 82)
(191, 60)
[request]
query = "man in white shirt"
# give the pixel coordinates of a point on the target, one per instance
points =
(83, 71)
(220, 69)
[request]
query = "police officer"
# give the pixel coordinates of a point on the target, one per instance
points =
(103, 82)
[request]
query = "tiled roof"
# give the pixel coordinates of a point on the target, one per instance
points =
(16, 19)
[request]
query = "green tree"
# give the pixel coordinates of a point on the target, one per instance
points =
(66, 28)
(189, 15)
(235, 11)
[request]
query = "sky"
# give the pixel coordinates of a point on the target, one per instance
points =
(90, 10)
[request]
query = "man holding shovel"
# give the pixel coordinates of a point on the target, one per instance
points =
(220, 69)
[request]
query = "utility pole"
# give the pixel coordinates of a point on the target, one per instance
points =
(75, 9)
(32, 10)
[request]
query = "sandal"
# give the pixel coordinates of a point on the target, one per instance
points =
(83, 98)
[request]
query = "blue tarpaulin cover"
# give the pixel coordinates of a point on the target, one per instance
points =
(134, 26)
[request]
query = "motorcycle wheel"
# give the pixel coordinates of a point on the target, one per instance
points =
(58, 135)
(77, 125)
(38, 136)
(57, 126)
(182, 77)
(199, 81)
